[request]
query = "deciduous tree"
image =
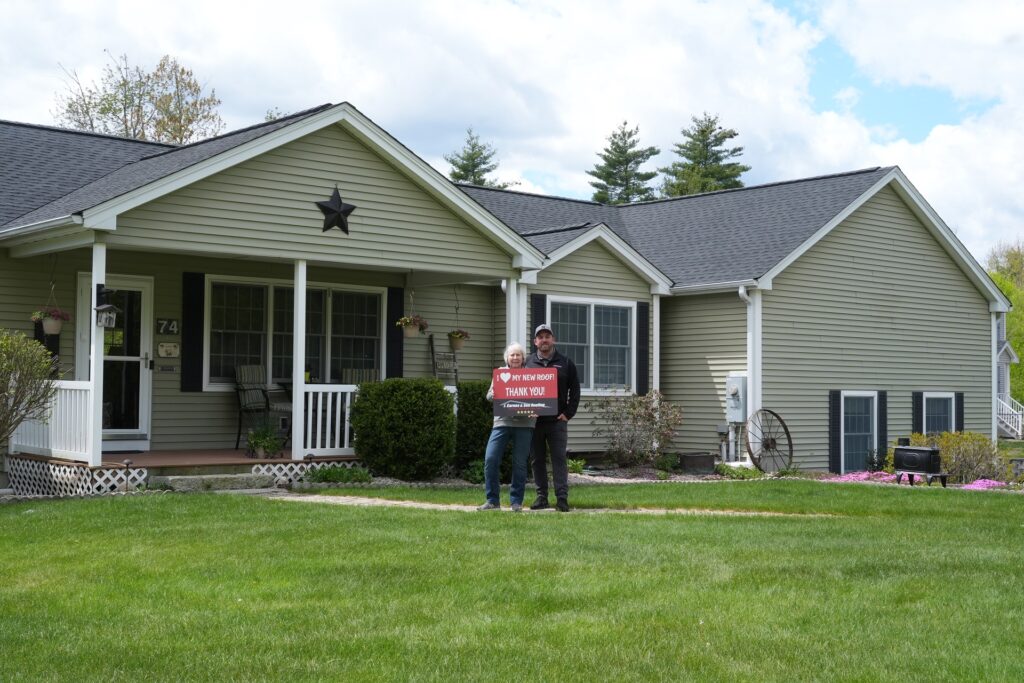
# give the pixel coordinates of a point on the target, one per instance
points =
(619, 178)
(705, 166)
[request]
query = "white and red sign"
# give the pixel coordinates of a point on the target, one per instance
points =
(526, 391)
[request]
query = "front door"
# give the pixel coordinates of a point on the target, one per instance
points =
(127, 361)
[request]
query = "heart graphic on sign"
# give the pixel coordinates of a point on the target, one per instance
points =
(505, 376)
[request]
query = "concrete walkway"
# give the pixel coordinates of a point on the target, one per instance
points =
(366, 501)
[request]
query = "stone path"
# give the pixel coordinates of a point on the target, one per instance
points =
(361, 501)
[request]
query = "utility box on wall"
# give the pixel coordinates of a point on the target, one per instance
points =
(736, 397)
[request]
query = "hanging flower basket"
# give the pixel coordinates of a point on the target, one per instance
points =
(412, 325)
(457, 338)
(52, 319)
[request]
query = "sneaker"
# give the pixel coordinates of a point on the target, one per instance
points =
(488, 506)
(562, 505)
(517, 507)
(540, 504)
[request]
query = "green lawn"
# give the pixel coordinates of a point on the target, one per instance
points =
(895, 584)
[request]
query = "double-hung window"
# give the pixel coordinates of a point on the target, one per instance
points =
(599, 337)
(939, 412)
(251, 324)
(859, 424)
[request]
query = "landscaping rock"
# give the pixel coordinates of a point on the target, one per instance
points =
(215, 482)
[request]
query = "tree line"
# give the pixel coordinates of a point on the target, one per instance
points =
(706, 163)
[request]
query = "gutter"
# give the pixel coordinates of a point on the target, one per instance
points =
(714, 287)
(63, 221)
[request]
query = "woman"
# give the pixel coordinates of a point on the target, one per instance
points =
(518, 429)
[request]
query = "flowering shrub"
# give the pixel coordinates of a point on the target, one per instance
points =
(638, 428)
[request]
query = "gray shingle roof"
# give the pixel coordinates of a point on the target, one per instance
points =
(145, 170)
(718, 237)
(39, 164)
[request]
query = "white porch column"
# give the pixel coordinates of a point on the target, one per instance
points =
(95, 427)
(995, 376)
(511, 311)
(656, 342)
(299, 361)
(522, 334)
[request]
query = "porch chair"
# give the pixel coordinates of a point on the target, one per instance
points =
(445, 364)
(258, 402)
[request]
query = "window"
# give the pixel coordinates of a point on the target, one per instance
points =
(939, 411)
(598, 337)
(859, 422)
(251, 324)
(238, 328)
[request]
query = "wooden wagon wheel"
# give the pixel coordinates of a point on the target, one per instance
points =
(768, 442)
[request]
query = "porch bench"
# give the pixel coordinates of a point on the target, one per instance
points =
(257, 398)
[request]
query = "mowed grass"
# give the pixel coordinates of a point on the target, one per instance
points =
(893, 584)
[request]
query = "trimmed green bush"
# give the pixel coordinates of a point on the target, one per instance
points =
(474, 421)
(404, 428)
(966, 456)
(732, 472)
(338, 474)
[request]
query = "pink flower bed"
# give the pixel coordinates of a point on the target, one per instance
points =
(982, 484)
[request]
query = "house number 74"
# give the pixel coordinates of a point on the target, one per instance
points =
(167, 326)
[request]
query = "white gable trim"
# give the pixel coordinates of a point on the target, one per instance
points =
(932, 222)
(104, 216)
(618, 246)
(1007, 354)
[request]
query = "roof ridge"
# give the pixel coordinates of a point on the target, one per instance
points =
(91, 133)
(757, 187)
(533, 194)
(304, 112)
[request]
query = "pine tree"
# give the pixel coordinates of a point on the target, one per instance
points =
(706, 167)
(473, 163)
(619, 178)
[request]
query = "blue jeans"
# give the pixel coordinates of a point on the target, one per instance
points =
(521, 438)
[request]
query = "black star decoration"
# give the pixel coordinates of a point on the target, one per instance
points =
(336, 212)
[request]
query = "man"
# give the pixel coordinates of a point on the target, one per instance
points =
(553, 431)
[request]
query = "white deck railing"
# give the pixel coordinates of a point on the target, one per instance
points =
(1010, 414)
(65, 431)
(326, 414)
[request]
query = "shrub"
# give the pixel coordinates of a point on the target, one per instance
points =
(474, 421)
(576, 466)
(404, 428)
(26, 376)
(474, 472)
(637, 427)
(666, 462)
(338, 474)
(966, 456)
(731, 472)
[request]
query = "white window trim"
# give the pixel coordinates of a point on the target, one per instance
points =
(873, 395)
(210, 279)
(592, 301)
(938, 394)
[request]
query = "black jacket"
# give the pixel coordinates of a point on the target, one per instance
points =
(568, 383)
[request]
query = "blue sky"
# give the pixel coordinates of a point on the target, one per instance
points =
(812, 87)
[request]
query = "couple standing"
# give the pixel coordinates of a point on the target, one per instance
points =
(531, 433)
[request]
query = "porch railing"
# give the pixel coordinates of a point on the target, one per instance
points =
(326, 413)
(65, 431)
(1010, 414)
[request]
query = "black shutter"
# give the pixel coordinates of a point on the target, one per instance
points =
(396, 338)
(834, 430)
(959, 411)
(917, 412)
(538, 313)
(643, 346)
(883, 425)
(193, 303)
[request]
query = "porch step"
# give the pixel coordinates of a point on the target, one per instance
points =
(214, 482)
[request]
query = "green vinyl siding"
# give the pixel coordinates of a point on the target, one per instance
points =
(481, 313)
(703, 339)
(265, 207)
(876, 305)
(591, 272)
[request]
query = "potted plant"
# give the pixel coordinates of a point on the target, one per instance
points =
(457, 338)
(412, 325)
(263, 442)
(52, 319)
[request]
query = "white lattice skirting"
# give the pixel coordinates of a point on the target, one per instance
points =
(294, 471)
(40, 478)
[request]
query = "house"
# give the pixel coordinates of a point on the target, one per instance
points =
(844, 301)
